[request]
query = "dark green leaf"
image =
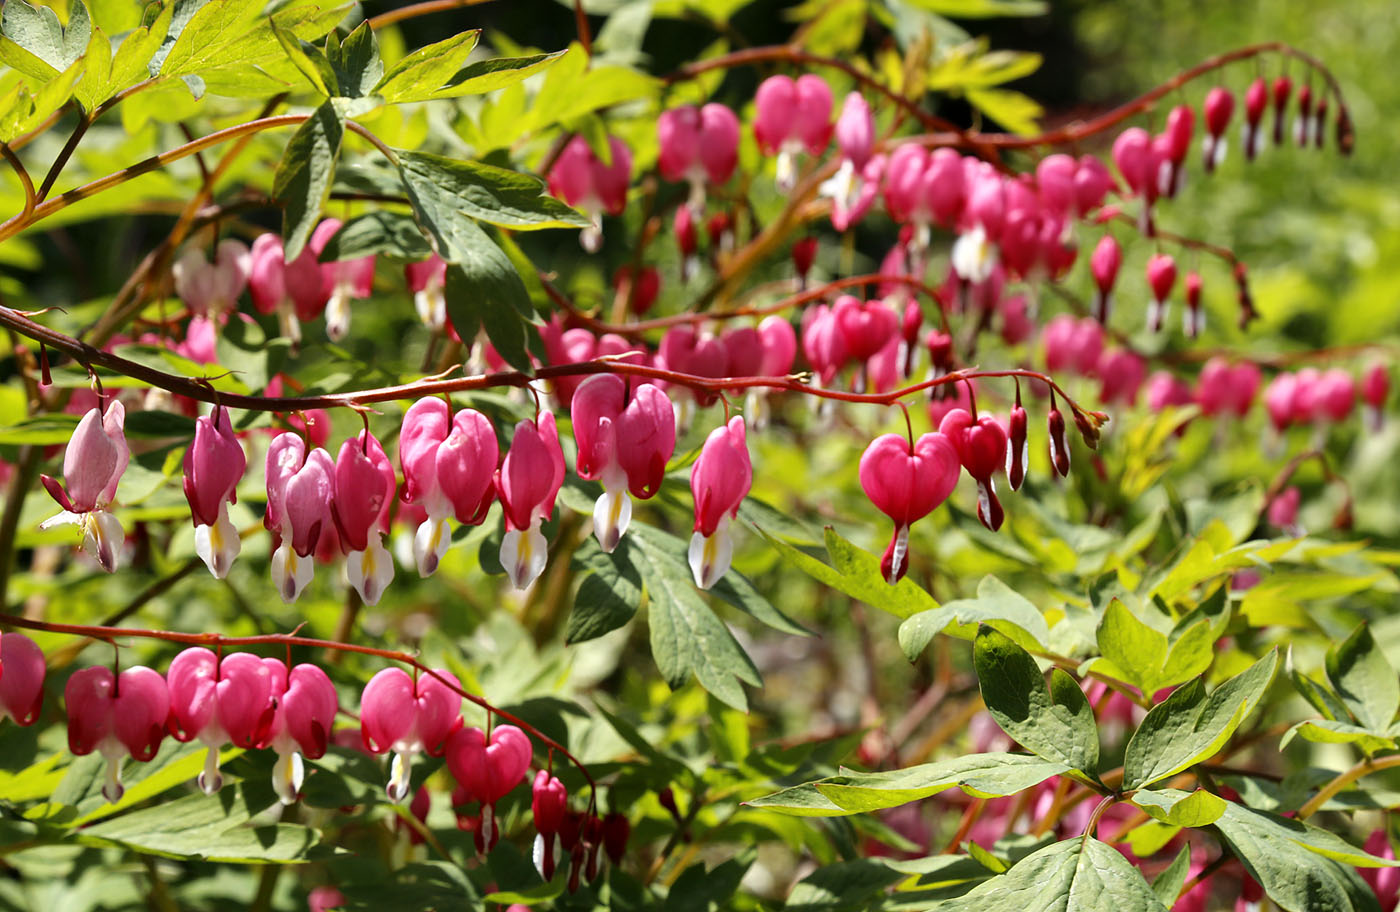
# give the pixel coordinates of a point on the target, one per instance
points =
(686, 636)
(355, 62)
(609, 595)
(378, 233)
(309, 60)
(495, 195)
(1302, 868)
(1055, 722)
(1167, 885)
(1189, 727)
(303, 178)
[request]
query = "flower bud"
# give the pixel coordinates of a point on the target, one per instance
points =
(804, 253)
(1161, 277)
(1218, 108)
(1059, 446)
(1256, 100)
(214, 464)
(1104, 264)
(1282, 90)
(1017, 449)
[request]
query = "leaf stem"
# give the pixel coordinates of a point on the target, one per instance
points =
(1364, 768)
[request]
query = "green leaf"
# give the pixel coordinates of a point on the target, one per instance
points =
(982, 9)
(1016, 112)
(997, 605)
(1167, 885)
(497, 73)
(130, 63)
(1055, 722)
(38, 31)
(1364, 680)
(44, 430)
(988, 775)
(686, 636)
(1182, 809)
(856, 574)
(610, 593)
(495, 195)
(844, 885)
(97, 71)
(309, 60)
(485, 292)
(733, 588)
(1078, 875)
(303, 178)
(381, 232)
(1136, 653)
(213, 827)
(1302, 868)
(1189, 727)
(1326, 731)
(355, 61)
(210, 36)
(420, 75)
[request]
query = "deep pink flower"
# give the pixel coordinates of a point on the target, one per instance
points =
(582, 180)
(823, 342)
(408, 717)
(116, 715)
(527, 482)
(487, 769)
(865, 326)
(699, 146)
(1165, 389)
(22, 680)
(449, 463)
(1256, 101)
(1121, 373)
(1161, 278)
(906, 484)
(1283, 509)
(1375, 389)
(427, 280)
(625, 438)
(1092, 181)
(214, 464)
(1218, 108)
(324, 898)
(341, 281)
(980, 444)
(790, 115)
(219, 701)
(1104, 264)
(294, 291)
(93, 464)
(364, 484)
(306, 708)
(1384, 881)
(548, 802)
(719, 481)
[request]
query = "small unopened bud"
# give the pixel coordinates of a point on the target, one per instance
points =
(1283, 90)
(1247, 311)
(940, 351)
(1346, 133)
(1303, 125)
(1016, 446)
(667, 799)
(1195, 320)
(804, 253)
(1319, 132)
(1059, 446)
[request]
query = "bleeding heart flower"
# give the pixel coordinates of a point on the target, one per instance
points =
(219, 701)
(625, 438)
(906, 483)
(582, 180)
(306, 708)
(1161, 277)
(293, 291)
(212, 289)
(22, 680)
(214, 464)
(299, 491)
(1104, 264)
(1218, 108)
(487, 769)
(408, 717)
(698, 145)
(116, 715)
(1256, 101)
(790, 115)
(548, 802)
(93, 464)
(981, 447)
(428, 281)
(1375, 389)
(364, 484)
(527, 482)
(719, 481)
(449, 463)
